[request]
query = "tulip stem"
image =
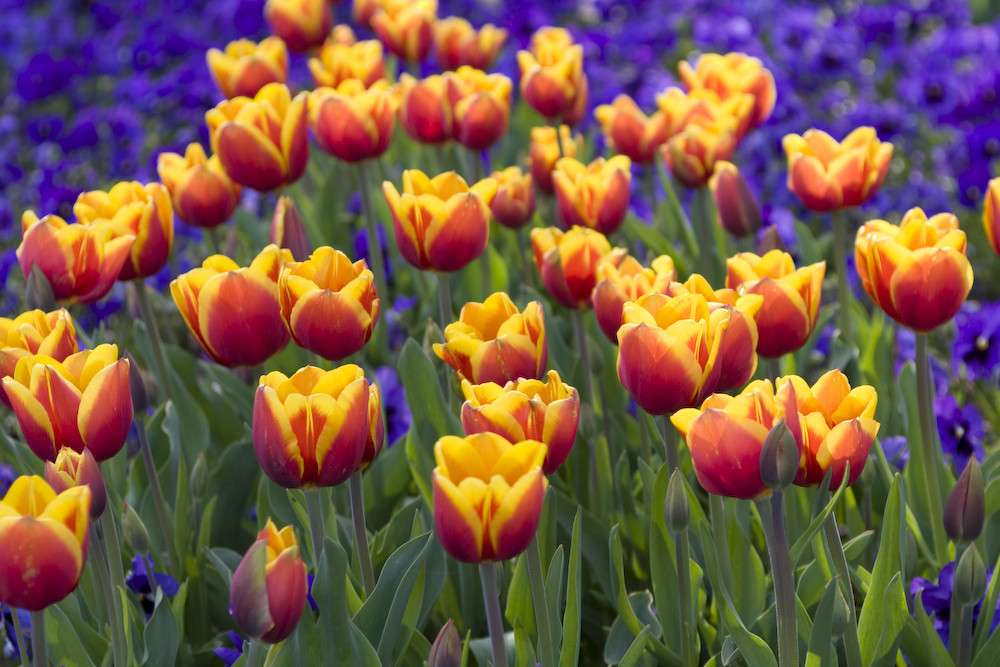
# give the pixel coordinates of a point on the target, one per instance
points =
(523, 254)
(361, 533)
(717, 508)
(257, 653)
(212, 240)
(491, 599)
(99, 564)
(852, 647)
(965, 639)
(688, 627)
(21, 643)
(930, 449)
(700, 208)
(955, 615)
(162, 513)
(839, 223)
(39, 650)
(669, 443)
(547, 650)
(580, 331)
(374, 247)
(772, 518)
(155, 342)
(317, 530)
(559, 142)
(113, 549)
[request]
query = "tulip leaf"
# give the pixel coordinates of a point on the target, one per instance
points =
(856, 546)
(984, 624)
(654, 240)
(987, 655)
(66, 646)
(161, 635)
(799, 548)
(519, 595)
(553, 593)
(636, 649)
(524, 655)
(820, 645)
(570, 654)
(662, 564)
(225, 562)
(340, 636)
(921, 642)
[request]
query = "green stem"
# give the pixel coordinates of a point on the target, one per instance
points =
(162, 511)
(155, 342)
(955, 616)
(113, 549)
(559, 142)
(839, 222)
(717, 508)
(546, 648)
(444, 299)
(965, 639)
(317, 530)
(257, 653)
(212, 240)
(491, 599)
(773, 521)
(526, 256)
(772, 368)
(99, 565)
(39, 649)
(580, 332)
(702, 223)
(930, 449)
(669, 443)
(688, 626)
(22, 645)
(371, 226)
(852, 647)
(361, 533)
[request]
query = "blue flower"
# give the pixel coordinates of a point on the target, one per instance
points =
(977, 341)
(137, 581)
(397, 413)
(897, 450)
(7, 476)
(229, 656)
(961, 431)
(937, 599)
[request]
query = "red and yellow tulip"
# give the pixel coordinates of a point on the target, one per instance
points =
(730, 75)
(424, 110)
(514, 204)
(480, 104)
(631, 131)
(627, 281)
(362, 11)
(200, 190)
(552, 77)
(692, 153)
(594, 195)
(351, 122)
(338, 62)
(567, 262)
(301, 24)
(738, 210)
(457, 43)
(376, 426)
(245, 67)
(78, 469)
(406, 27)
(34, 332)
(544, 152)
(991, 214)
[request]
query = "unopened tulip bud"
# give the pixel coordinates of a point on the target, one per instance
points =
(72, 469)
(966, 507)
(970, 578)
(446, 651)
(198, 481)
(288, 231)
(779, 457)
(676, 508)
(739, 212)
(134, 530)
(771, 241)
(39, 293)
(137, 386)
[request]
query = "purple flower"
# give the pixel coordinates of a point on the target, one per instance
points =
(9, 647)
(45, 76)
(7, 476)
(896, 450)
(361, 251)
(937, 599)
(977, 341)
(138, 581)
(229, 656)
(961, 430)
(397, 413)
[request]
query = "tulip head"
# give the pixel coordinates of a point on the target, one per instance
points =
(991, 214)
(567, 262)
(245, 67)
(34, 332)
(362, 11)
(487, 495)
(406, 27)
(594, 195)
(202, 193)
(693, 152)
(301, 24)
(329, 303)
(288, 230)
(457, 43)
(917, 272)
(351, 122)
(441, 223)
(446, 651)
(480, 104)
(234, 312)
(739, 212)
(514, 204)
(494, 342)
(51, 533)
(732, 74)
(424, 110)
(631, 131)
(552, 79)
(269, 587)
(78, 469)
(828, 176)
(626, 281)
(965, 511)
(376, 426)
(544, 152)
(337, 62)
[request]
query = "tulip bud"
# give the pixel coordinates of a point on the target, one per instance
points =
(779, 457)
(771, 240)
(137, 386)
(839, 621)
(970, 578)
(134, 530)
(676, 508)
(739, 212)
(966, 507)
(287, 230)
(446, 651)
(198, 481)
(39, 293)
(71, 469)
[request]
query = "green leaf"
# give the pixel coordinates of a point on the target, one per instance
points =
(820, 644)
(570, 654)
(636, 649)
(66, 646)
(161, 635)
(524, 656)
(553, 594)
(928, 649)
(987, 612)
(519, 603)
(799, 548)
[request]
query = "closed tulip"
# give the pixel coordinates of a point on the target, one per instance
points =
(301, 24)
(917, 272)
(424, 110)
(828, 176)
(495, 342)
(457, 43)
(35, 332)
(270, 585)
(245, 67)
(234, 312)
(376, 426)
(514, 204)
(406, 27)
(329, 303)
(311, 429)
(338, 62)
(791, 297)
(488, 495)
(547, 411)
(630, 131)
(80, 402)
(594, 195)
(732, 74)
(627, 281)
(480, 105)
(202, 193)
(693, 153)
(544, 153)
(441, 223)
(351, 122)
(50, 533)
(288, 231)
(567, 262)
(81, 262)
(78, 469)
(738, 210)
(552, 79)
(991, 214)
(136, 210)
(263, 142)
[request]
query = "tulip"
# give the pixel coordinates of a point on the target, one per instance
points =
(363, 11)
(441, 223)
(917, 272)
(406, 27)
(791, 297)
(626, 281)
(594, 195)
(487, 495)
(244, 67)
(692, 154)
(446, 651)
(200, 190)
(514, 204)
(269, 587)
(678, 108)
(567, 262)
(630, 131)
(45, 538)
(544, 153)
(311, 429)
(351, 122)
(732, 74)
(991, 214)
(81, 262)
(739, 212)
(142, 212)
(424, 110)
(234, 312)
(546, 411)
(494, 342)
(837, 425)
(965, 511)
(262, 143)
(552, 79)
(457, 43)
(828, 176)
(376, 426)
(301, 24)
(329, 303)
(480, 105)
(288, 230)
(338, 62)
(34, 332)
(72, 469)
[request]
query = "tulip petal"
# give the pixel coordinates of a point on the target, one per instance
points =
(515, 522)
(459, 527)
(105, 415)
(40, 563)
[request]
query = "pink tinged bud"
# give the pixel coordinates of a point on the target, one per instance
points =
(446, 651)
(739, 212)
(288, 231)
(71, 469)
(965, 510)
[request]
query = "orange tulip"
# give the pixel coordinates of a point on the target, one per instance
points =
(81, 262)
(544, 153)
(495, 342)
(34, 332)
(406, 27)
(338, 62)
(917, 272)
(567, 262)
(72, 469)
(738, 210)
(80, 402)
(828, 176)
(514, 204)
(441, 223)
(200, 190)
(547, 411)
(594, 195)
(731, 75)
(234, 312)
(134, 210)
(424, 110)
(991, 214)
(301, 24)
(552, 77)
(630, 131)
(488, 495)
(351, 122)
(693, 153)
(50, 534)
(457, 43)
(480, 103)
(791, 297)
(263, 143)
(311, 429)
(627, 281)
(244, 67)
(328, 303)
